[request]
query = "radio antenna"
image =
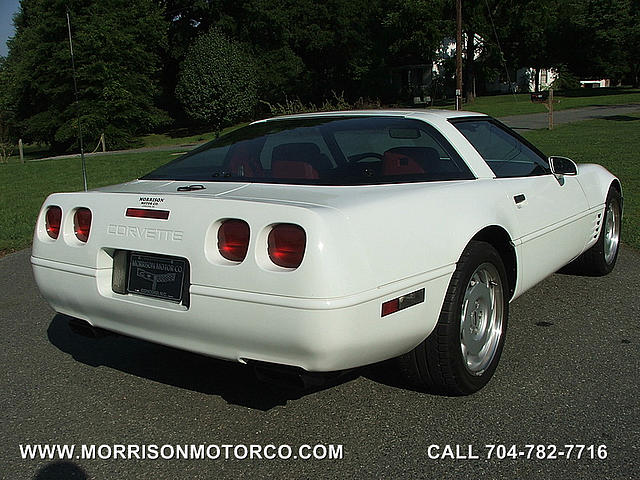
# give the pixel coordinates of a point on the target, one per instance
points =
(75, 91)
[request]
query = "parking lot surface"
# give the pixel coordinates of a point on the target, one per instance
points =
(569, 375)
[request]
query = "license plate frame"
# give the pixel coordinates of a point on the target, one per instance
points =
(157, 276)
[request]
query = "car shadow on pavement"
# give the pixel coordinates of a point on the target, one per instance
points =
(621, 118)
(235, 383)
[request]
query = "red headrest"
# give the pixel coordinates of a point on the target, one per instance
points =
(395, 163)
(293, 169)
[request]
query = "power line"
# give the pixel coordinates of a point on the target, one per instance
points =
(504, 63)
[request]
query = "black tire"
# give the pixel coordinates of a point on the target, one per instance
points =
(595, 261)
(437, 364)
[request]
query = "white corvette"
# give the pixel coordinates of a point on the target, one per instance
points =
(323, 242)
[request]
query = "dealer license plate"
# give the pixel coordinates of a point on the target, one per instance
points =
(156, 276)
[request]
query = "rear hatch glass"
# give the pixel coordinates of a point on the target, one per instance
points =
(323, 151)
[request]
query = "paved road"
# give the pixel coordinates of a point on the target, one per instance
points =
(534, 121)
(569, 375)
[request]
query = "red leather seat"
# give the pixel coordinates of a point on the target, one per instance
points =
(293, 169)
(298, 160)
(243, 163)
(408, 160)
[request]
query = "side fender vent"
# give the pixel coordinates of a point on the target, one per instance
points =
(597, 224)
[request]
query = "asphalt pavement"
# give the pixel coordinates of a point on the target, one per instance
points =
(569, 375)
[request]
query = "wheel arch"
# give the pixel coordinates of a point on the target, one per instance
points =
(615, 184)
(500, 239)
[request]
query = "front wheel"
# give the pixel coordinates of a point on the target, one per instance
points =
(600, 259)
(462, 353)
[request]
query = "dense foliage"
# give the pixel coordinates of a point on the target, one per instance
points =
(116, 46)
(211, 62)
(217, 84)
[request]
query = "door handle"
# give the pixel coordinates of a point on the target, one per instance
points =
(519, 198)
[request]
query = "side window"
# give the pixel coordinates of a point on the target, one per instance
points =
(505, 153)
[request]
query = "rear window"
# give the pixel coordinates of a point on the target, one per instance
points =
(323, 151)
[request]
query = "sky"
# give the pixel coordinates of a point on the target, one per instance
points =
(7, 9)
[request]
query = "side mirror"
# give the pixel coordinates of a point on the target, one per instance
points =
(562, 166)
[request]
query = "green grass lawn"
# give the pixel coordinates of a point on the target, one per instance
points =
(180, 136)
(613, 143)
(23, 187)
(504, 105)
(496, 106)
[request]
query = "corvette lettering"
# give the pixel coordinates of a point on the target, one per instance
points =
(145, 233)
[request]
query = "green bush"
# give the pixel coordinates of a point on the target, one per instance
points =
(217, 83)
(294, 106)
(565, 80)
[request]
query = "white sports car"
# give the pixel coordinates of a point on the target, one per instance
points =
(323, 242)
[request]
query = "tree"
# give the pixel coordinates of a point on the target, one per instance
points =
(632, 45)
(7, 142)
(592, 38)
(302, 48)
(116, 46)
(217, 84)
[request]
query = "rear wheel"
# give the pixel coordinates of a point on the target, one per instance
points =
(462, 353)
(600, 259)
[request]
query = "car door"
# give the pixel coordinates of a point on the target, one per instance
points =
(550, 212)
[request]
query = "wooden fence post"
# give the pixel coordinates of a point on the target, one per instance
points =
(551, 109)
(21, 150)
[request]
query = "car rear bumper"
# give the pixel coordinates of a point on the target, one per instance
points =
(314, 334)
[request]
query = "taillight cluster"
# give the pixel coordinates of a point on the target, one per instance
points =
(53, 221)
(233, 239)
(286, 245)
(81, 222)
(286, 242)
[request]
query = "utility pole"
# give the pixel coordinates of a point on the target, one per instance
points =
(459, 55)
(75, 90)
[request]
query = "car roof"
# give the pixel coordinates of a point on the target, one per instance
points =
(426, 114)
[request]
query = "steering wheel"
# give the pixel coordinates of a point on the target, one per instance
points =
(361, 156)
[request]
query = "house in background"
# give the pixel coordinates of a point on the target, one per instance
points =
(526, 79)
(605, 82)
(418, 82)
(412, 82)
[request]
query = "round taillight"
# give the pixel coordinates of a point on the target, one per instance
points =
(82, 224)
(286, 245)
(233, 239)
(53, 219)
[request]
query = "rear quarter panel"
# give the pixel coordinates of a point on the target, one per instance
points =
(360, 239)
